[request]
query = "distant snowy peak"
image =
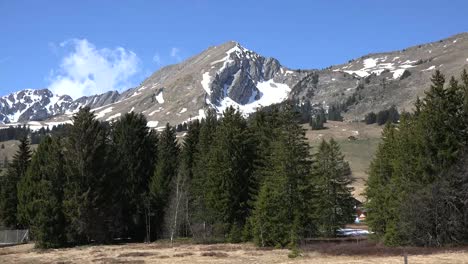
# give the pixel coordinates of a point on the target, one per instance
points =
(30, 105)
(38, 105)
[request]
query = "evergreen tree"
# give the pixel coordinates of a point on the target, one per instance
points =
(335, 204)
(370, 118)
(271, 220)
(135, 152)
(411, 165)
(393, 115)
(165, 172)
(334, 113)
(230, 169)
(40, 195)
(8, 191)
(265, 127)
(287, 178)
(317, 121)
(89, 185)
(200, 213)
(378, 185)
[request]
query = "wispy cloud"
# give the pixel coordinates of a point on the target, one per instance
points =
(157, 59)
(86, 70)
(175, 53)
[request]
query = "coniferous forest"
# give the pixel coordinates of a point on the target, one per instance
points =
(235, 179)
(418, 179)
(229, 179)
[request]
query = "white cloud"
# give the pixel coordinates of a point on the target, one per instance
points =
(87, 70)
(175, 53)
(157, 59)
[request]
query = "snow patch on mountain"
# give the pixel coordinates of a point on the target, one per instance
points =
(398, 73)
(113, 117)
(152, 124)
(378, 65)
(160, 98)
(270, 93)
(102, 113)
(206, 80)
(429, 69)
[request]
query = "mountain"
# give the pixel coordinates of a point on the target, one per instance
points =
(230, 74)
(29, 104)
(38, 105)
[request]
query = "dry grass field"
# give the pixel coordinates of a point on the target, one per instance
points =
(358, 152)
(220, 253)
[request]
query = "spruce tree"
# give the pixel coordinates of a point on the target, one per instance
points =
(201, 215)
(135, 154)
(370, 118)
(335, 204)
(271, 219)
(165, 172)
(411, 165)
(41, 193)
(9, 191)
(230, 170)
(377, 189)
(316, 122)
(287, 187)
(89, 184)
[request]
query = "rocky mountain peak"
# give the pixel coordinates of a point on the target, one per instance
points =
(232, 75)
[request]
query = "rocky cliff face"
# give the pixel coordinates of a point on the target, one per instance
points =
(218, 77)
(231, 75)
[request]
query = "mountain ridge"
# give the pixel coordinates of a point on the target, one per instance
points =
(231, 75)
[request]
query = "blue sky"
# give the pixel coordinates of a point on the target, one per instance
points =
(83, 47)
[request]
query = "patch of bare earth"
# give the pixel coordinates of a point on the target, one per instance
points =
(365, 252)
